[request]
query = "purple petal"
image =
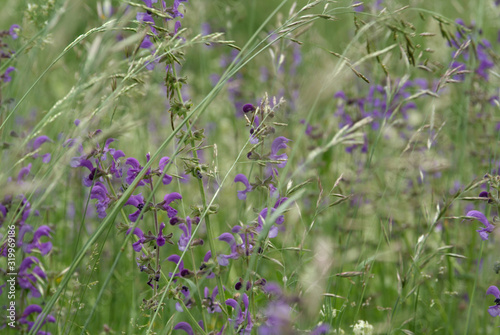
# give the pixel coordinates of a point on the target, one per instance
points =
(494, 291)
(39, 141)
(494, 310)
(133, 163)
(233, 303)
(42, 231)
(31, 309)
(171, 197)
(163, 162)
(479, 216)
(135, 200)
(278, 144)
(184, 326)
(228, 238)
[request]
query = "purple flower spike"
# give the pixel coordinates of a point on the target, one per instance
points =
(241, 178)
(483, 232)
(278, 144)
(184, 326)
(495, 309)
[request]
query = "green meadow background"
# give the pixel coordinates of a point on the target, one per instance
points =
(378, 236)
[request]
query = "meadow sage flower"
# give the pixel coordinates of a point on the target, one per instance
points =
(495, 309)
(27, 279)
(483, 232)
(241, 178)
(278, 144)
(35, 309)
(138, 202)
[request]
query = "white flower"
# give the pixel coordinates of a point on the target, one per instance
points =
(362, 328)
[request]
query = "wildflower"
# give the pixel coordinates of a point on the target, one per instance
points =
(273, 231)
(229, 239)
(209, 301)
(495, 309)
(186, 234)
(36, 244)
(23, 173)
(36, 144)
(240, 319)
(35, 309)
(278, 319)
(184, 326)
(278, 144)
(138, 202)
(483, 232)
(248, 108)
(241, 178)
(167, 200)
(139, 243)
(160, 240)
(100, 192)
(321, 329)
(13, 30)
(27, 280)
(362, 328)
(5, 77)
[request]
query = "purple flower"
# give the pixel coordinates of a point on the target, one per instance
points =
(186, 234)
(229, 239)
(278, 144)
(241, 178)
(278, 319)
(13, 31)
(495, 309)
(160, 240)
(184, 326)
(248, 108)
(273, 231)
(136, 168)
(36, 244)
(483, 232)
(321, 329)
(168, 199)
(27, 280)
(241, 317)
(138, 202)
(35, 309)
(5, 77)
(23, 173)
(133, 171)
(139, 243)
(100, 193)
(209, 301)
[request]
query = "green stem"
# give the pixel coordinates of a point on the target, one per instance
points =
(471, 300)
